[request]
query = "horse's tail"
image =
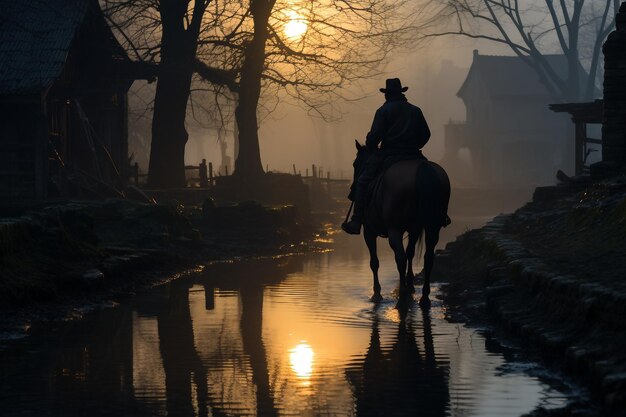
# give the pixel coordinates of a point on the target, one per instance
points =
(421, 234)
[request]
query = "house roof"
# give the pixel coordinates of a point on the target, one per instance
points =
(35, 38)
(511, 76)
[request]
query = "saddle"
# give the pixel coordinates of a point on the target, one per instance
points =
(372, 214)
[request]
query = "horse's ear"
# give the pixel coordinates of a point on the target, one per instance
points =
(358, 145)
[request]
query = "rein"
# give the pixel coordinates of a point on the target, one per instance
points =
(349, 211)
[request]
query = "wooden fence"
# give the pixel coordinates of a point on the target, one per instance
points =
(205, 177)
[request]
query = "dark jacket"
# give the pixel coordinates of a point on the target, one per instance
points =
(399, 127)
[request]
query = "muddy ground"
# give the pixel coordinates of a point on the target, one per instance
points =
(61, 260)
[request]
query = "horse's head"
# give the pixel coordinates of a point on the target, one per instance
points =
(362, 154)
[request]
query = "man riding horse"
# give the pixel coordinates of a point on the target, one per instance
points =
(401, 130)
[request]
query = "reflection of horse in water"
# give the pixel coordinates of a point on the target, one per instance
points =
(399, 381)
(412, 196)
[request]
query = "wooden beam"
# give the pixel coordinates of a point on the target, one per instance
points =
(581, 137)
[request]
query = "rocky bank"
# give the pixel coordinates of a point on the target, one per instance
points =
(58, 259)
(553, 273)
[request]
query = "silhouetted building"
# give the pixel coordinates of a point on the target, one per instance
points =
(63, 100)
(511, 135)
(614, 110)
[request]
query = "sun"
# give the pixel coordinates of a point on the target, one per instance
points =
(295, 27)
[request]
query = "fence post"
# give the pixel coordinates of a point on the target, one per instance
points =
(313, 171)
(294, 169)
(211, 173)
(136, 173)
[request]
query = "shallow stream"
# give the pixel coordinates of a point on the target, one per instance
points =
(289, 336)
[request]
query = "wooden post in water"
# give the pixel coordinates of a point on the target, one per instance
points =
(211, 173)
(294, 169)
(209, 297)
(307, 173)
(313, 171)
(226, 169)
(204, 177)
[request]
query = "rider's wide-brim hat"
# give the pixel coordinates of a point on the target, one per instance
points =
(393, 85)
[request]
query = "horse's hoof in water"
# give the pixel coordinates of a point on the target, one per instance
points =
(376, 298)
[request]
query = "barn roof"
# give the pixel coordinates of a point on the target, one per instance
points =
(511, 76)
(35, 38)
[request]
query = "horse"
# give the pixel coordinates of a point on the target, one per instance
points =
(411, 196)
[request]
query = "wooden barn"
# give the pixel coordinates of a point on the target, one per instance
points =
(510, 133)
(64, 80)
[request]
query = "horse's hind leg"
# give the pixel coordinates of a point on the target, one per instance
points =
(431, 240)
(410, 254)
(395, 241)
(370, 241)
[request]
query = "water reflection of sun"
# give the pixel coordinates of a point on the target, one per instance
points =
(301, 359)
(296, 26)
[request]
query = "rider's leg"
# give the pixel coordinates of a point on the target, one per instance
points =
(360, 196)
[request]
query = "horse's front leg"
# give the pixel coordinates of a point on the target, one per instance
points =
(370, 241)
(395, 241)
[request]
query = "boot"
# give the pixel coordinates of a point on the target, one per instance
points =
(353, 227)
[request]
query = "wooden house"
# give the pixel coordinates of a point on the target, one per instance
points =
(512, 136)
(64, 80)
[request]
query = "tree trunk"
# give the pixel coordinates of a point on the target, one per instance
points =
(248, 165)
(169, 136)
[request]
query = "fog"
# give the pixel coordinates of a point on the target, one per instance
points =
(289, 136)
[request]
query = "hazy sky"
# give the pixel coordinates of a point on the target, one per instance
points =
(289, 136)
(433, 74)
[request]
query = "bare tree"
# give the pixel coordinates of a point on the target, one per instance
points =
(533, 30)
(166, 32)
(307, 50)
(254, 51)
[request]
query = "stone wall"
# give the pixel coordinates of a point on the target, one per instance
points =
(614, 119)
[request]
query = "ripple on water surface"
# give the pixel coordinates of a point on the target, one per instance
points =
(294, 336)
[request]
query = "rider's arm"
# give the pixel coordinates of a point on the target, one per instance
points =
(375, 136)
(423, 132)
